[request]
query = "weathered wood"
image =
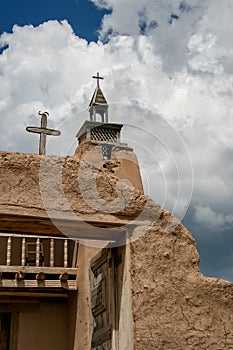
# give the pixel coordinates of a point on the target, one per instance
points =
(40, 276)
(36, 294)
(65, 253)
(34, 269)
(75, 254)
(38, 252)
(43, 131)
(14, 333)
(43, 226)
(23, 251)
(51, 261)
(20, 275)
(37, 284)
(64, 276)
(98, 77)
(8, 258)
(102, 294)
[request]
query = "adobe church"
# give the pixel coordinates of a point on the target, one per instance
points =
(88, 262)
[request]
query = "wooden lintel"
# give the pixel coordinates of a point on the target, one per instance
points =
(76, 229)
(34, 269)
(33, 294)
(38, 284)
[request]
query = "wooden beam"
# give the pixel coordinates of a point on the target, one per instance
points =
(34, 269)
(34, 294)
(38, 284)
(77, 229)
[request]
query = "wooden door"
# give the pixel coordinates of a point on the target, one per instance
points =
(103, 301)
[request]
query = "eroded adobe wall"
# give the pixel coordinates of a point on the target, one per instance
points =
(174, 306)
(62, 186)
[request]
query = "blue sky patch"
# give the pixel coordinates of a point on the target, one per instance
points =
(84, 17)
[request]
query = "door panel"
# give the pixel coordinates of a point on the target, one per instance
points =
(102, 300)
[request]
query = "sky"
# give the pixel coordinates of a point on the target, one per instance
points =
(168, 76)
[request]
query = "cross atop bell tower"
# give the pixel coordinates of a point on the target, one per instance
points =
(98, 104)
(98, 77)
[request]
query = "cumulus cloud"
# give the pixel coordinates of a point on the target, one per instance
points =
(168, 72)
(217, 221)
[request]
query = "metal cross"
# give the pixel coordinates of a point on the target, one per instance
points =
(98, 78)
(43, 131)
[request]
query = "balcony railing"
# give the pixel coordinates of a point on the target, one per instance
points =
(44, 260)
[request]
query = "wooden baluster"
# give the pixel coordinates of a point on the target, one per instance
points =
(38, 252)
(23, 252)
(52, 252)
(75, 253)
(65, 253)
(8, 255)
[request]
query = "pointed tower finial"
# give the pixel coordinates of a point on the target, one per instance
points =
(98, 104)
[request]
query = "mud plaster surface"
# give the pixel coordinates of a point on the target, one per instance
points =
(33, 185)
(174, 305)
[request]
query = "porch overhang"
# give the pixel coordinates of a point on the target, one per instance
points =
(90, 229)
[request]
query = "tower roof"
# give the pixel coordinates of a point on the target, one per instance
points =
(98, 98)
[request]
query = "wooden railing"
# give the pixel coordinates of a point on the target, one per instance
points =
(48, 250)
(29, 257)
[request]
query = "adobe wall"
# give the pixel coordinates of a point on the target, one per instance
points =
(123, 163)
(173, 305)
(62, 187)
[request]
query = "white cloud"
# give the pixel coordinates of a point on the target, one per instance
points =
(211, 219)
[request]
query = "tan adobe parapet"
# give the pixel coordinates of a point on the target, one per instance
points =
(53, 188)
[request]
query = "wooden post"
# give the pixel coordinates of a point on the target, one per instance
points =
(65, 253)
(23, 252)
(8, 258)
(52, 252)
(38, 252)
(75, 254)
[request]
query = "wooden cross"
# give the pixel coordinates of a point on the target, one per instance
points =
(98, 78)
(43, 131)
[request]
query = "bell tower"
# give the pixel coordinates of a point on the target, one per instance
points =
(101, 140)
(99, 130)
(98, 104)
